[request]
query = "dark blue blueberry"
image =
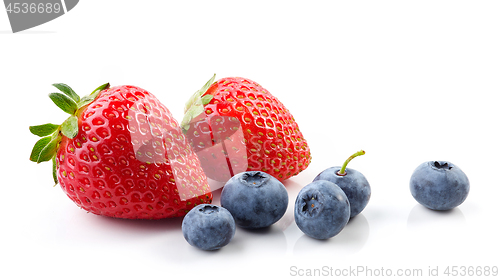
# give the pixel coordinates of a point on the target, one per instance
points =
(353, 183)
(208, 227)
(321, 209)
(255, 199)
(439, 185)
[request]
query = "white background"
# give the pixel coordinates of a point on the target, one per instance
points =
(407, 81)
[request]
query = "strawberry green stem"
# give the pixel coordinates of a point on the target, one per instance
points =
(196, 104)
(45, 149)
(342, 170)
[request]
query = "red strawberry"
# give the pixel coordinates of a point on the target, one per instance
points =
(121, 154)
(236, 125)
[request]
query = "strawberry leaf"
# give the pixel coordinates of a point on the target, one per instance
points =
(100, 88)
(39, 146)
(185, 123)
(195, 104)
(49, 151)
(44, 129)
(85, 101)
(197, 95)
(207, 85)
(65, 103)
(193, 112)
(206, 99)
(68, 91)
(54, 169)
(91, 97)
(69, 127)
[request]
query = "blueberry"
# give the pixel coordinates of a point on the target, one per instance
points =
(321, 209)
(439, 185)
(208, 227)
(352, 182)
(255, 199)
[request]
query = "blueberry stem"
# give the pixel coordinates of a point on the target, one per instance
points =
(342, 170)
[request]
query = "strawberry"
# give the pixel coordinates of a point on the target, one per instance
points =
(235, 125)
(121, 154)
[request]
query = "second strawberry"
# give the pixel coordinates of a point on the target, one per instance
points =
(236, 125)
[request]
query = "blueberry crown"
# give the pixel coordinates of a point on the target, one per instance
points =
(442, 165)
(254, 178)
(209, 209)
